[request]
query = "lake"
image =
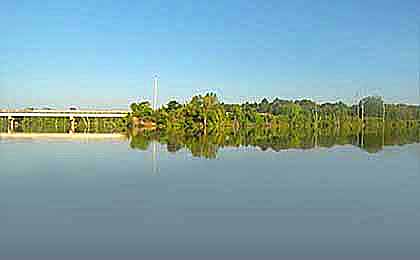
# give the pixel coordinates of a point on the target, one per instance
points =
(104, 198)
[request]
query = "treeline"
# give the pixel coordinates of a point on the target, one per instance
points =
(204, 114)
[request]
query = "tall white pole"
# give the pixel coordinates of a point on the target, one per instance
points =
(418, 63)
(155, 87)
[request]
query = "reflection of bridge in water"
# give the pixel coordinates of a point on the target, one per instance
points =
(85, 137)
(13, 115)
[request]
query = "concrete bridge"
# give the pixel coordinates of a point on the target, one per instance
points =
(12, 114)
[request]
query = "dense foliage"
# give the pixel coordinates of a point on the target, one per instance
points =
(205, 114)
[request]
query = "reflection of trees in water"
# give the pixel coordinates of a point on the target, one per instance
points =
(373, 142)
(207, 146)
(141, 143)
(202, 146)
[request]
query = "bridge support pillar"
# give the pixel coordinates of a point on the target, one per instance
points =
(72, 125)
(11, 126)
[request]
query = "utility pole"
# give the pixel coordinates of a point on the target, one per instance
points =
(383, 122)
(316, 128)
(362, 111)
(383, 112)
(418, 62)
(155, 89)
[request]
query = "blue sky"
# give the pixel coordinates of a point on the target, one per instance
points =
(105, 53)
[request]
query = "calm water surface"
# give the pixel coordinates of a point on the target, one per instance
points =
(73, 199)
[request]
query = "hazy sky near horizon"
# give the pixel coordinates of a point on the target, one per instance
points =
(104, 53)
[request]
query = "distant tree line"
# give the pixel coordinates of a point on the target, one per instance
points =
(205, 113)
